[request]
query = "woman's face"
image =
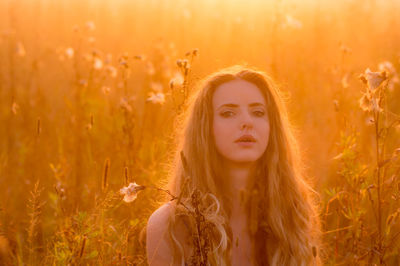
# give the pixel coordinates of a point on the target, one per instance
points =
(240, 125)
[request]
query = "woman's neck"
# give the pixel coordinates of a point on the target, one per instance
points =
(238, 174)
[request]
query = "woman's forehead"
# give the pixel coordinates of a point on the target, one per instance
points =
(238, 92)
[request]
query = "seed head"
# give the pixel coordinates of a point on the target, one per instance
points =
(155, 98)
(130, 192)
(69, 52)
(97, 63)
(373, 79)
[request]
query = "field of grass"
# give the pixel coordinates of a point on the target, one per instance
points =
(87, 106)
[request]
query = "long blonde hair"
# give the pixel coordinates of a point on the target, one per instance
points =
(282, 216)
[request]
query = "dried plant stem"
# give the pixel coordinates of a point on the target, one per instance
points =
(126, 175)
(34, 206)
(377, 136)
(82, 247)
(104, 183)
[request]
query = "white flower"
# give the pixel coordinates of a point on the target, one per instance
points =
(177, 80)
(69, 52)
(387, 66)
(391, 72)
(374, 79)
(370, 103)
(108, 59)
(345, 81)
(130, 192)
(97, 63)
(106, 90)
(125, 105)
(158, 97)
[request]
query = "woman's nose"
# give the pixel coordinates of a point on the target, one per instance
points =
(246, 121)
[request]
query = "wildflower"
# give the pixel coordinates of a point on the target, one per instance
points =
(155, 98)
(125, 105)
(139, 57)
(88, 57)
(345, 81)
(365, 102)
(112, 71)
(185, 63)
(20, 49)
(337, 157)
(369, 121)
(391, 73)
(375, 105)
(90, 25)
(108, 59)
(388, 67)
(123, 60)
(373, 79)
(97, 63)
(336, 105)
(130, 192)
(156, 86)
(60, 190)
(177, 79)
(345, 49)
(69, 52)
(106, 90)
(369, 102)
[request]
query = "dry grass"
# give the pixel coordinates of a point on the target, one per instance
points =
(89, 92)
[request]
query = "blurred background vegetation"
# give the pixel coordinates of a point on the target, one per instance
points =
(87, 106)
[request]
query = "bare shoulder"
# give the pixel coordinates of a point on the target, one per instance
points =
(157, 242)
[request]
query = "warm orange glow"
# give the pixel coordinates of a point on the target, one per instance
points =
(89, 91)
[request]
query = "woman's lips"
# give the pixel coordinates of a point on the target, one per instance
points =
(245, 144)
(246, 139)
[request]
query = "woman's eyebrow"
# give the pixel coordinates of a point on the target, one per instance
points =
(236, 105)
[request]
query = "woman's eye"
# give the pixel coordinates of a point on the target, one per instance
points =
(227, 114)
(259, 113)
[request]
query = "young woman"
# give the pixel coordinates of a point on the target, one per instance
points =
(242, 162)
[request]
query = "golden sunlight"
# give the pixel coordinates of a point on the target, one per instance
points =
(233, 132)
